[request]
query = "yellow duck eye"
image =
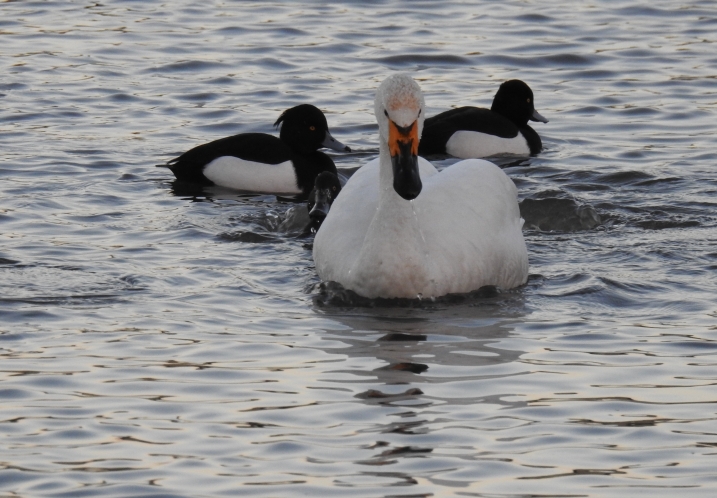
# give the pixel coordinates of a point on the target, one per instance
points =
(528, 101)
(312, 128)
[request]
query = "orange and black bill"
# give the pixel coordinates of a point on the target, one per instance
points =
(403, 146)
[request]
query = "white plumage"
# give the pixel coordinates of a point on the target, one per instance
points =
(462, 231)
(466, 144)
(241, 174)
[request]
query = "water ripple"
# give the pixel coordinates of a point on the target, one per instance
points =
(168, 340)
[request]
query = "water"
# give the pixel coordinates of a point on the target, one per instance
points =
(156, 341)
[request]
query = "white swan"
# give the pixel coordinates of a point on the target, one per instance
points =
(402, 229)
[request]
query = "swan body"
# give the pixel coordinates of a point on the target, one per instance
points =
(398, 232)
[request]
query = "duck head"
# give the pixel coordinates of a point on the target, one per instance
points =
(305, 130)
(326, 188)
(514, 100)
(399, 111)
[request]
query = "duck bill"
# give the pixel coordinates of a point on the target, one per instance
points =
(322, 205)
(538, 117)
(403, 147)
(331, 143)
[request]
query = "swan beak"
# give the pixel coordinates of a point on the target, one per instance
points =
(322, 206)
(538, 117)
(403, 146)
(331, 143)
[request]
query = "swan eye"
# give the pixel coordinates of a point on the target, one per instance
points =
(419, 112)
(385, 112)
(312, 128)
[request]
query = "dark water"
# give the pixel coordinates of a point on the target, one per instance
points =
(162, 342)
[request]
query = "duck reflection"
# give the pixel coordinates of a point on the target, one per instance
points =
(209, 193)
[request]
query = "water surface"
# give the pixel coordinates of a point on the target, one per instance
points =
(161, 342)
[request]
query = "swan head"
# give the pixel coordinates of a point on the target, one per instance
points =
(399, 111)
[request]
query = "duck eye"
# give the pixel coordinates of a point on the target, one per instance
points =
(528, 101)
(313, 128)
(385, 112)
(333, 188)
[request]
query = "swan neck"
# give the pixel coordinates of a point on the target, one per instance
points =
(386, 169)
